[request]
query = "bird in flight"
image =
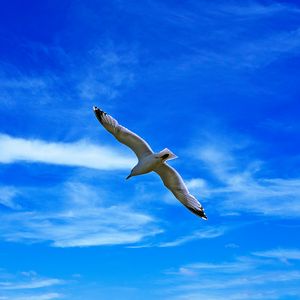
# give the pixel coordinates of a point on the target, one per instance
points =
(149, 161)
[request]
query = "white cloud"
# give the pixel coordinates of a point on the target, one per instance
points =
(253, 9)
(240, 189)
(232, 246)
(7, 195)
(29, 285)
(81, 153)
(208, 233)
(102, 72)
(80, 218)
(228, 267)
(263, 52)
(242, 278)
(247, 51)
(250, 280)
(15, 86)
(33, 284)
(45, 296)
(196, 183)
(205, 233)
(281, 254)
(105, 73)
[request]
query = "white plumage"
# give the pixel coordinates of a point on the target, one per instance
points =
(149, 161)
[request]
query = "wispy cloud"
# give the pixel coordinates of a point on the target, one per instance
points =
(230, 26)
(22, 86)
(29, 285)
(45, 296)
(261, 53)
(105, 73)
(79, 219)
(281, 254)
(255, 9)
(205, 233)
(33, 284)
(78, 154)
(272, 45)
(240, 189)
(227, 267)
(243, 278)
(7, 195)
(208, 233)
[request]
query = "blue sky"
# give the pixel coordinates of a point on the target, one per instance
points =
(217, 82)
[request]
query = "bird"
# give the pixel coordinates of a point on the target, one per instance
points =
(149, 161)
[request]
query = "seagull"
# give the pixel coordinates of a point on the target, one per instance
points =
(149, 161)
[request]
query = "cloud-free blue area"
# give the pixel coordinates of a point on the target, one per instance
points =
(217, 82)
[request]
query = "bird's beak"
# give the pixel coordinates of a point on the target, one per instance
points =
(128, 176)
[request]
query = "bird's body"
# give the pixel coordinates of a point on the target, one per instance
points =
(146, 164)
(149, 161)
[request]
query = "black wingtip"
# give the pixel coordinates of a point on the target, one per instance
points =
(98, 112)
(199, 212)
(204, 217)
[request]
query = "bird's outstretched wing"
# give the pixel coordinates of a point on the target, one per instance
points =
(122, 134)
(173, 181)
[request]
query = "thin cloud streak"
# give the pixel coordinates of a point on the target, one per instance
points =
(77, 154)
(245, 277)
(105, 226)
(253, 9)
(33, 284)
(280, 253)
(46, 296)
(208, 233)
(7, 195)
(29, 285)
(238, 187)
(106, 73)
(80, 218)
(103, 72)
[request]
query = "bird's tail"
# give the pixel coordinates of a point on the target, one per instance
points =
(166, 154)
